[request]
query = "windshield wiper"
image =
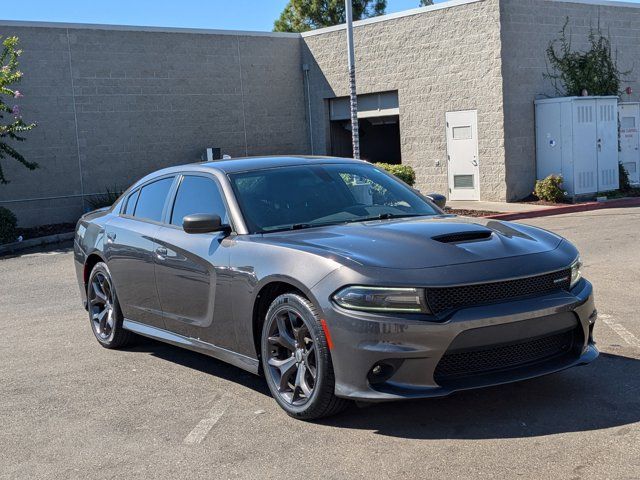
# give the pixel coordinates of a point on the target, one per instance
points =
(386, 216)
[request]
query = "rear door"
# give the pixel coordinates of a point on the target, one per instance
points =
(192, 269)
(462, 155)
(131, 250)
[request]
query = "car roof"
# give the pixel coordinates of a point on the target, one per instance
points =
(243, 164)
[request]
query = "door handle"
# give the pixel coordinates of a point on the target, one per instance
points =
(474, 163)
(111, 236)
(161, 251)
(599, 144)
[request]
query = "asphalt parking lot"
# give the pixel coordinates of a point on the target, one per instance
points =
(71, 409)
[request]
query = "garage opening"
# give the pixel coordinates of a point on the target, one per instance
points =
(379, 124)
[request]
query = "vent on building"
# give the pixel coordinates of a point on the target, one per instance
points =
(585, 114)
(463, 181)
(606, 113)
(585, 180)
(607, 177)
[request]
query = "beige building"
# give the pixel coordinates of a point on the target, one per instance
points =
(447, 89)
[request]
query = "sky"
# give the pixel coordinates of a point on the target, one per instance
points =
(213, 14)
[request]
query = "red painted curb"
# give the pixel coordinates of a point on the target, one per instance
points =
(580, 207)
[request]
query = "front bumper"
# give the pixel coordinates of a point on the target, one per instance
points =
(410, 350)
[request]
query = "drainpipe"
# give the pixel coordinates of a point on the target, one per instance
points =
(305, 69)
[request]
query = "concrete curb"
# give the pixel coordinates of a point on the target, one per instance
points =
(35, 242)
(580, 207)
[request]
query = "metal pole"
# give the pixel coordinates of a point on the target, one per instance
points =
(355, 134)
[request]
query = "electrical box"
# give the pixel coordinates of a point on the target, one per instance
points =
(629, 119)
(577, 137)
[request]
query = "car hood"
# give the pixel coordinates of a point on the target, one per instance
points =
(419, 242)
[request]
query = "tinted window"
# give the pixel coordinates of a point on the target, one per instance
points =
(311, 195)
(131, 203)
(198, 195)
(151, 199)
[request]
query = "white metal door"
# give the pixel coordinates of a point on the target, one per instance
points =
(629, 145)
(462, 153)
(607, 145)
(585, 154)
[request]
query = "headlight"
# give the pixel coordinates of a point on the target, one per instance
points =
(382, 299)
(576, 275)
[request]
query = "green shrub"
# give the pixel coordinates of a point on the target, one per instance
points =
(550, 189)
(104, 199)
(625, 184)
(403, 172)
(8, 223)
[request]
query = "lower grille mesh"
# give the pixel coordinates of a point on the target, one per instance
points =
(502, 357)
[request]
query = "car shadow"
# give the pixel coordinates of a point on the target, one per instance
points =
(604, 394)
(601, 395)
(200, 362)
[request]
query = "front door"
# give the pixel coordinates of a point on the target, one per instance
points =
(629, 152)
(462, 154)
(191, 269)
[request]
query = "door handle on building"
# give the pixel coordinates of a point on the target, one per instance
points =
(474, 162)
(599, 144)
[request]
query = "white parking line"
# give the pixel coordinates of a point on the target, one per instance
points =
(206, 424)
(626, 335)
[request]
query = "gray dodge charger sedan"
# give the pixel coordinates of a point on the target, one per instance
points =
(334, 279)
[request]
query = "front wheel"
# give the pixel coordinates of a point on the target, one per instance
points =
(104, 310)
(296, 359)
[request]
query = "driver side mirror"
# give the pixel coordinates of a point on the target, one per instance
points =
(439, 200)
(203, 223)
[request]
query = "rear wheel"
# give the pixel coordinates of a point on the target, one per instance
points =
(296, 359)
(104, 310)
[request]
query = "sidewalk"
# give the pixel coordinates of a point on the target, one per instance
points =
(518, 211)
(502, 207)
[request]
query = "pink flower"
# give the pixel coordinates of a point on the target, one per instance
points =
(17, 94)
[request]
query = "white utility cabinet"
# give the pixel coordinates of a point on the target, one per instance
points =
(578, 138)
(629, 118)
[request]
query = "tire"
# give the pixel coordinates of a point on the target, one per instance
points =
(297, 364)
(105, 316)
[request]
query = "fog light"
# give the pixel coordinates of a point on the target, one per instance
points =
(384, 370)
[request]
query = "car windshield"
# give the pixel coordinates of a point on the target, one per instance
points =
(305, 196)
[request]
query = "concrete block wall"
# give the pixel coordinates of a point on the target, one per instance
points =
(527, 27)
(439, 60)
(114, 103)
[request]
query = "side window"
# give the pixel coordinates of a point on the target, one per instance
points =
(198, 195)
(131, 203)
(151, 200)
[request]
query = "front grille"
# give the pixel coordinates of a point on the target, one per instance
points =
(443, 299)
(503, 357)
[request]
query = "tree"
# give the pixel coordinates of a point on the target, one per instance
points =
(425, 3)
(12, 127)
(304, 15)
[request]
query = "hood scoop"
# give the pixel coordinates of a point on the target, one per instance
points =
(458, 237)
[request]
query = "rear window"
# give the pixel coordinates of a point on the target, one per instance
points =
(151, 200)
(131, 203)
